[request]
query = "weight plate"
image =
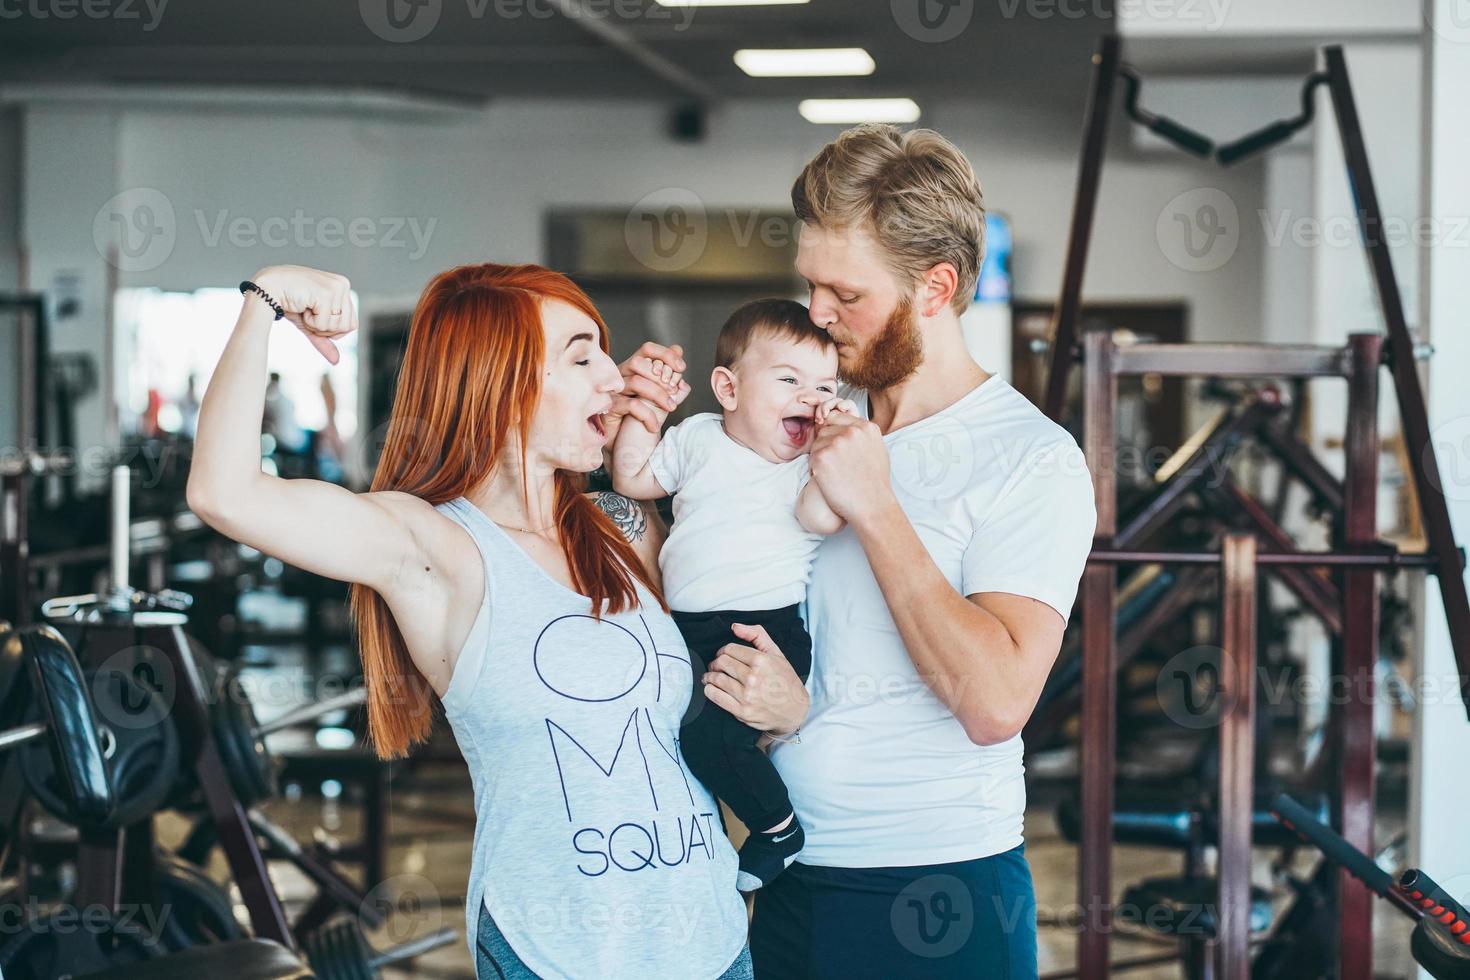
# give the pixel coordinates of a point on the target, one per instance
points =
(73, 943)
(251, 768)
(194, 910)
(140, 749)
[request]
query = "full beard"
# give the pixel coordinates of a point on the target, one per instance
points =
(893, 356)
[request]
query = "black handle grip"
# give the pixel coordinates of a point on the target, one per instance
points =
(1329, 842)
(1437, 903)
(1182, 136)
(1277, 132)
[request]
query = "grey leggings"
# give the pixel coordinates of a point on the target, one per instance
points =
(495, 960)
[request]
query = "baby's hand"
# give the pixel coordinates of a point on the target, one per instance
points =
(835, 404)
(672, 380)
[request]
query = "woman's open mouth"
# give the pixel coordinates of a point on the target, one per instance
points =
(798, 428)
(594, 422)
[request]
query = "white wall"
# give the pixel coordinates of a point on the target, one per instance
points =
(476, 186)
(1441, 732)
(1265, 18)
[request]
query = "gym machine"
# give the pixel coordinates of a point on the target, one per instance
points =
(1441, 938)
(103, 751)
(1355, 558)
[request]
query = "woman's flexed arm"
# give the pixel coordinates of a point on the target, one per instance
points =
(312, 524)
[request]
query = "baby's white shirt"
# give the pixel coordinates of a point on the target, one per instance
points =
(736, 542)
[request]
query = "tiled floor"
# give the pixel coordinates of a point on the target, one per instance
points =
(432, 820)
(430, 830)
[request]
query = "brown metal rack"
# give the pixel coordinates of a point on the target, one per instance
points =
(1356, 551)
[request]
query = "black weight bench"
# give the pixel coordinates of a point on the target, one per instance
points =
(245, 959)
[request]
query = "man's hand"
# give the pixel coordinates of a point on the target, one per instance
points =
(756, 683)
(850, 464)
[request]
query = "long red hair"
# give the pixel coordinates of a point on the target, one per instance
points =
(473, 364)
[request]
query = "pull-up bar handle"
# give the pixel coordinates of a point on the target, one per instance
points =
(1175, 132)
(1277, 132)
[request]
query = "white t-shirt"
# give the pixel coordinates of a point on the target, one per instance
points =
(884, 774)
(736, 542)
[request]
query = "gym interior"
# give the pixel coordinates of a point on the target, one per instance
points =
(1227, 247)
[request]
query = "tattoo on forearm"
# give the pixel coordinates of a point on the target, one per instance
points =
(626, 514)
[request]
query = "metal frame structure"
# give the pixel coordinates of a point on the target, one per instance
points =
(15, 485)
(1356, 552)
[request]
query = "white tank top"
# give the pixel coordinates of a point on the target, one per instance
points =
(595, 850)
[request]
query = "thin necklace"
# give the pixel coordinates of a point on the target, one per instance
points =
(526, 530)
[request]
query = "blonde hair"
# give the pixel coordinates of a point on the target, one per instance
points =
(914, 190)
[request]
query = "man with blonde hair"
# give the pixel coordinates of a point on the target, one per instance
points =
(937, 613)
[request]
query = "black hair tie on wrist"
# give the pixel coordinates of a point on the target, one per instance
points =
(249, 287)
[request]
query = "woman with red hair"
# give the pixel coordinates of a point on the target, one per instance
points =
(483, 577)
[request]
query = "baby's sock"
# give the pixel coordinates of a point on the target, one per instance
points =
(765, 854)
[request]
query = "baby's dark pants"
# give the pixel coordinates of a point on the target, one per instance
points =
(719, 750)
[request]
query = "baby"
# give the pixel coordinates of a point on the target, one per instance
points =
(747, 522)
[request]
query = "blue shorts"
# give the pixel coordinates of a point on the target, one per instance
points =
(967, 919)
(495, 960)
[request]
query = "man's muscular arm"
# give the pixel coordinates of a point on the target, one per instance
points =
(986, 656)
